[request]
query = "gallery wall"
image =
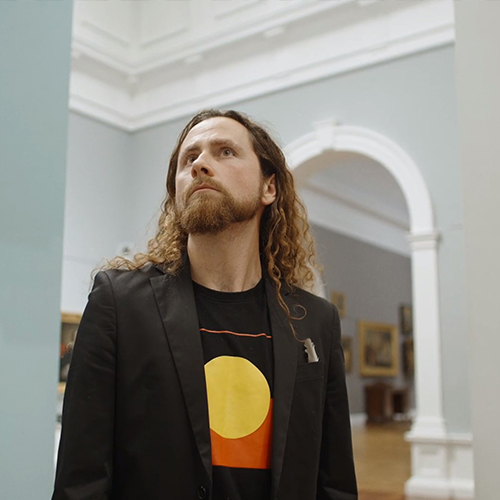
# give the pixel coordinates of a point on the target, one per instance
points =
(374, 282)
(99, 202)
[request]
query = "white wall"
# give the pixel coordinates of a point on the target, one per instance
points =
(99, 203)
(478, 78)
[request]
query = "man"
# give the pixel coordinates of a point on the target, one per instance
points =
(202, 369)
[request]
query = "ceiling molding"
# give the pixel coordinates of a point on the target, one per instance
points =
(337, 216)
(226, 9)
(107, 34)
(245, 30)
(348, 198)
(83, 47)
(231, 65)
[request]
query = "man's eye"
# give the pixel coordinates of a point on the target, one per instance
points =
(227, 152)
(190, 159)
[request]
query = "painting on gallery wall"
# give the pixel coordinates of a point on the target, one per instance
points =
(408, 357)
(347, 348)
(338, 300)
(378, 349)
(406, 319)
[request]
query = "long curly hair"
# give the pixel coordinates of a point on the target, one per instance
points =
(286, 245)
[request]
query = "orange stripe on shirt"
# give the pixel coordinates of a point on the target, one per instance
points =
(237, 334)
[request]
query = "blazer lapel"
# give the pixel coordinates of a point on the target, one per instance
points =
(175, 299)
(285, 365)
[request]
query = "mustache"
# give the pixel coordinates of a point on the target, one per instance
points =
(203, 182)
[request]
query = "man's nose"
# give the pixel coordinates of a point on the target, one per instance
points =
(201, 166)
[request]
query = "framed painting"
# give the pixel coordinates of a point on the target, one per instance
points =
(347, 348)
(406, 319)
(408, 357)
(378, 349)
(338, 300)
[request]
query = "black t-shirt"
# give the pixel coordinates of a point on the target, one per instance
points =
(238, 355)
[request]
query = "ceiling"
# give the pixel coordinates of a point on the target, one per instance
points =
(137, 64)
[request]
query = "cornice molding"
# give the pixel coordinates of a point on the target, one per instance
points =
(263, 26)
(352, 198)
(230, 65)
(354, 221)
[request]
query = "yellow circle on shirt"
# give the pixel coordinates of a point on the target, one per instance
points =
(238, 396)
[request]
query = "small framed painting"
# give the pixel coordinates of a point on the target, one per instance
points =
(338, 300)
(347, 348)
(408, 357)
(378, 349)
(406, 319)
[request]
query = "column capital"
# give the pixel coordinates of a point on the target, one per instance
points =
(423, 240)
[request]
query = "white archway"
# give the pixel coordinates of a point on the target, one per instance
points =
(430, 443)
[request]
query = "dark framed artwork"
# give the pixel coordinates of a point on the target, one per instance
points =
(378, 349)
(347, 348)
(406, 319)
(408, 357)
(338, 300)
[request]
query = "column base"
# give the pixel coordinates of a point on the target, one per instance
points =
(442, 466)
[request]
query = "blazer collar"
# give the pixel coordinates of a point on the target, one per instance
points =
(175, 299)
(285, 365)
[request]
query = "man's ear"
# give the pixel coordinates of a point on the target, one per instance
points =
(269, 190)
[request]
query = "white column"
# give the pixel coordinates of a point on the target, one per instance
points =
(442, 464)
(427, 338)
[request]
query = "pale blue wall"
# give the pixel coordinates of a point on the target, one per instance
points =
(34, 78)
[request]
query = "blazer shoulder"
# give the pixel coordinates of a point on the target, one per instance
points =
(125, 279)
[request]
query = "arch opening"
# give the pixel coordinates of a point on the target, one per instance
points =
(306, 157)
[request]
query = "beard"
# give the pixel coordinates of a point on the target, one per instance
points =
(211, 213)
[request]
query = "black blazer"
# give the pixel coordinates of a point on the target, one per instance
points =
(135, 420)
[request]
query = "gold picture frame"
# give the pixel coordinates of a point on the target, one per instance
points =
(378, 349)
(338, 300)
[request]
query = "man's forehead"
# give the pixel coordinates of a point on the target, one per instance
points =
(215, 128)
